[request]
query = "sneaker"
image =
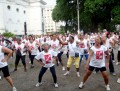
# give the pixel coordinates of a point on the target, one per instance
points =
(56, 85)
(78, 74)
(114, 74)
(14, 89)
(29, 62)
(0, 77)
(63, 68)
(32, 66)
(81, 85)
(113, 61)
(118, 63)
(38, 84)
(107, 87)
(67, 73)
(118, 81)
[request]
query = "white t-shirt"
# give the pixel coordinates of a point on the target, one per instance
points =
(21, 47)
(98, 57)
(47, 58)
(2, 64)
(55, 45)
(34, 48)
(73, 48)
(82, 46)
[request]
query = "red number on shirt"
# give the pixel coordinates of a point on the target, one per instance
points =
(53, 46)
(82, 45)
(47, 58)
(99, 55)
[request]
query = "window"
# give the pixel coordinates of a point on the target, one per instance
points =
(24, 12)
(8, 7)
(17, 10)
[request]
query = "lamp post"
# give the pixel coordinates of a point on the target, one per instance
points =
(78, 16)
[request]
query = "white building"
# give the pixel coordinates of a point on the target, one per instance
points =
(18, 16)
(49, 25)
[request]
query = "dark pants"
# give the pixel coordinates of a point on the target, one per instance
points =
(112, 54)
(118, 56)
(59, 56)
(18, 59)
(43, 70)
(32, 58)
(86, 57)
(111, 66)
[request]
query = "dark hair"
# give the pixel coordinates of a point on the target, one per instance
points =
(72, 37)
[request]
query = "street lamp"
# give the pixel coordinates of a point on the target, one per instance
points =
(78, 16)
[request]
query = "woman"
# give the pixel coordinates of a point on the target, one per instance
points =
(47, 62)
(4, 65)
(33, 50)
(96, 60)
(73, 55)
(118, 57)
(20, 50)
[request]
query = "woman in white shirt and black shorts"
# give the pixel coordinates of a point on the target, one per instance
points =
(96, 60)
(4, 65)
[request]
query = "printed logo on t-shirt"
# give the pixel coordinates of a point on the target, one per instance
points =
(99, 55)
(82, 45)
(31, 47)
(53, 46)
(47, 58)
(19, 48)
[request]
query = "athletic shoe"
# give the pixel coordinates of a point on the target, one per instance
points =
(29, 62)
(113, 61)
(118, 81)
(63, 68)
(38, 84)
(32, 66)
(56, 85)
(67, 73)
(0, 77)
(118, 63)
(14, 89)
(78, 74)
(107, 87)
(81, 85)
(114, 74)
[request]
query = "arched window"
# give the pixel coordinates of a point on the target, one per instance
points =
(8, 7)
(24, 12)
(17, 10)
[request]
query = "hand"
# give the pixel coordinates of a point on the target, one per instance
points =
(4, 60)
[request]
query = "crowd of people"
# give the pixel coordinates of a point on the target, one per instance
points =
(97, 48)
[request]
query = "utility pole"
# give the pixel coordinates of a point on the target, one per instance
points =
(78, 15)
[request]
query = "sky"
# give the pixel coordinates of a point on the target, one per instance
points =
(50, 2)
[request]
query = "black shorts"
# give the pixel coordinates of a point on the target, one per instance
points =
(91, 68)
(5, 71)
(118, 56)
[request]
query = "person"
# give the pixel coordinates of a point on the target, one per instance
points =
(73, 55)
(4, 65)
(83, 46)
(47, 62)
(33, 50)
(20, 54)
(106, 43)
(118, 57)
(96, 60)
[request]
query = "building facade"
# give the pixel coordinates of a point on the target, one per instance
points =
(50, 26)
(21, 16)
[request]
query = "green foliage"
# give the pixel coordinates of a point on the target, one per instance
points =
(94, 14)
(8, 34)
